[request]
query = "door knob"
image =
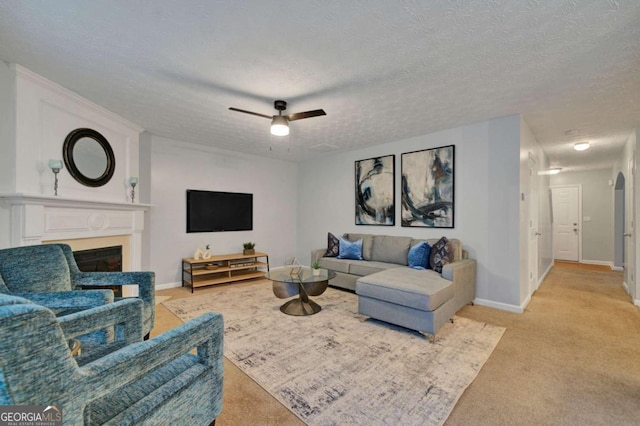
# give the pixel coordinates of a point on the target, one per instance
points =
(627, 235)
(538, 234)
(575, 229)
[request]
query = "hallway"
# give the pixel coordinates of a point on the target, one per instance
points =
(570, 358)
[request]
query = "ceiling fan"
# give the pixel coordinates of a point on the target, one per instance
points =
(280, 123)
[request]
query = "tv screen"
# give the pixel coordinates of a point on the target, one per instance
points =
(209, 211)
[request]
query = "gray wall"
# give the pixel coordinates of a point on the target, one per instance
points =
(486, 201)
(597, 204)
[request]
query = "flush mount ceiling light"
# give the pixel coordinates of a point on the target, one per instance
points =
(582, 146)
(554, 171)
(280, 123)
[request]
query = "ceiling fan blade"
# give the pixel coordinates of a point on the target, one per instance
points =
(252, 113)
(306, 114)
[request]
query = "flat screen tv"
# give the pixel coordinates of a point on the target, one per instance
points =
(211, 211)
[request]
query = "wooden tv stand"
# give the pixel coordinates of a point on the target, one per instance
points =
(222, 269)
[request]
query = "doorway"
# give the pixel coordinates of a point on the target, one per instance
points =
(567, 241)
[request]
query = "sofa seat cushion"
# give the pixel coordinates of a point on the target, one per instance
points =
(424, 290)
(363, 267)
(335, 264)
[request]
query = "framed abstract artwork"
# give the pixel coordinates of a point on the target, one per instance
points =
(428, 187)
(375, 191)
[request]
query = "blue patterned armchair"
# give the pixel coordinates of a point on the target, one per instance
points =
(153, 382)
(48, 275)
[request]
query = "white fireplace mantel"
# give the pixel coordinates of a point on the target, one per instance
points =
(36, 218)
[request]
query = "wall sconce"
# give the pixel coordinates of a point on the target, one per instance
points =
(133, 181)
(55, 166)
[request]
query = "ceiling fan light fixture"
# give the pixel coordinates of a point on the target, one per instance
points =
(582, 146)
(279, 126)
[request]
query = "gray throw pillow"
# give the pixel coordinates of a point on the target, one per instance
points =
(441, 254)
(333, 246)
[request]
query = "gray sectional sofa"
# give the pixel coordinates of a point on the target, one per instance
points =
(391, 291)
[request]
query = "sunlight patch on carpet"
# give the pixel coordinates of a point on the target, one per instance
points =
(337, 368)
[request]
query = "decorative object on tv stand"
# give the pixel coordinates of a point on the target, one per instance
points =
(133, 181)
(55, 166)
(248, 248)
(427, 188)
(198, 254)
(207, 254)
(375, 191)
(315, 268)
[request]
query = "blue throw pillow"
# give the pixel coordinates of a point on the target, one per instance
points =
(350, 250)
(418, 257)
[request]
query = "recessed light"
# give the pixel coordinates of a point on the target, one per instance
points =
(582, 146)
(554, 171)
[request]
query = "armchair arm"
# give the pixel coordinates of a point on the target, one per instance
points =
(144, 280)
(126, 313)
(73, 299)
(118, 368)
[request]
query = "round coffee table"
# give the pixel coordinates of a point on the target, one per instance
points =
(289, 281)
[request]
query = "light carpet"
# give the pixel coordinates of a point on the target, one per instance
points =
(335, 367)
(162, 299)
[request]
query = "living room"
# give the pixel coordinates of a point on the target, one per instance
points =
(301, 188)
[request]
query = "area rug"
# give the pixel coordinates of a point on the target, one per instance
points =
(338, 368)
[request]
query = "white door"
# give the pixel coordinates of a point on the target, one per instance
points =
(533, 224)
(566, 223)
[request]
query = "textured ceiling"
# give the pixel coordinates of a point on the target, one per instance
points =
(382, 70)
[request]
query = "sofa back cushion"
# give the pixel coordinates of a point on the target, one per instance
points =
(391, 249)
(367, 243)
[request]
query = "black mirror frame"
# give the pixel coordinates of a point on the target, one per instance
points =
(67, 153)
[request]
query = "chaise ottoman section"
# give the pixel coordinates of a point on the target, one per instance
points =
(419, 289)
(416, 299)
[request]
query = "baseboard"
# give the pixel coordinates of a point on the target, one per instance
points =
(545, 274)
(617, 268)
(167, 286)
(499, 305)
(626, 287)
(598, 262)
(636, 302)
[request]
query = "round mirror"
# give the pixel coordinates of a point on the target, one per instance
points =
(88, 157)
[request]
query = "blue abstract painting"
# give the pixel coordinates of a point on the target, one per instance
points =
(428, 187)
(375, 191)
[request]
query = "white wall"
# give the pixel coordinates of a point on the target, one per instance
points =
(597, 205)
(486, 201)
(7, 128)
(529, 146)
(7, 144)
(45, 114)
(177, 166)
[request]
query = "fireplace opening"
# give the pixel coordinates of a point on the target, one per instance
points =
(104, 259)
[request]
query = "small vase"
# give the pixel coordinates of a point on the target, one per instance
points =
(206, 255)
(248, 251)
(315, 271)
